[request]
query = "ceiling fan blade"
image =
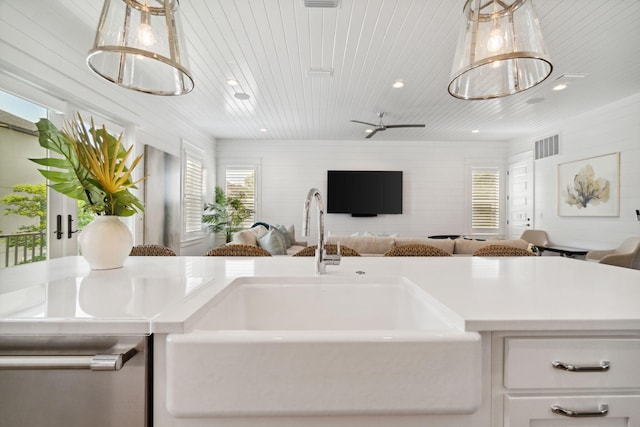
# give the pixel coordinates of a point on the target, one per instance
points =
(364, 123)
(405, 126)
(372, 133)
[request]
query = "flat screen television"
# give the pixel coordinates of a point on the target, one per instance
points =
(364, 193)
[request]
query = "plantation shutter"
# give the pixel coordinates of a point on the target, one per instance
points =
(485, 199)
(241, 183)
(192, 199)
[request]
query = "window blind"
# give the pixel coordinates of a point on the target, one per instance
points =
(192, 201)
(485, 199)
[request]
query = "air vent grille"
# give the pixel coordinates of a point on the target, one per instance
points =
(322, 3)
(546, 147)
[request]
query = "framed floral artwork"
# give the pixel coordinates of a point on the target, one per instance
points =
(590, 187)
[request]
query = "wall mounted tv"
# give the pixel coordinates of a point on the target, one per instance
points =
(364, 193)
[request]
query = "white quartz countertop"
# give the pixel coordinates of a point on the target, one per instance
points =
(164, 294)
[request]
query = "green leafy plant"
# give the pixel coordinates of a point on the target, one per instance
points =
(92, 168)
(225, 214)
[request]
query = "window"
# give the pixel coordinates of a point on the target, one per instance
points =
(192, 198)
(240, 183)
(485, 200)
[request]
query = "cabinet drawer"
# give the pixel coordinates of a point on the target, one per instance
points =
(529, 362)
(528, 411)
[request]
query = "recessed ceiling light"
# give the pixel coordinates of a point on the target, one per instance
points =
(232, 82)
(561, 86)
(475, 131)
(263, 129)
(369, 130)
(398, 84)
(241, 95)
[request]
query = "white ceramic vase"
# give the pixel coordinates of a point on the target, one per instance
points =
(105, 242)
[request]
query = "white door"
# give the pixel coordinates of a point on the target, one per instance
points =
(62, 221)
(62, 216)
(520, 194)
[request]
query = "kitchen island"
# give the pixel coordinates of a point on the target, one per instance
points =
(527, 310)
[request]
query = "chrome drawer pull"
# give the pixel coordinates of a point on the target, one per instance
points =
(98, 362)
(603, 410)
(604, 366)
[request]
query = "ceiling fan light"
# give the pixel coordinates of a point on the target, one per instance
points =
(139, 46)
(500, 50)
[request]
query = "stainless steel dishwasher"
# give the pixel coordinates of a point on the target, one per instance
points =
(84, 380)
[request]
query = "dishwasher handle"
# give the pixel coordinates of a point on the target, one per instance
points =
(98, 362)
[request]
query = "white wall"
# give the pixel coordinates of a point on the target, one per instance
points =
(433, 172)
(613, 128)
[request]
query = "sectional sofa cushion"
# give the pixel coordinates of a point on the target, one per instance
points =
(446, 245)
(468, 247)
(364, 244)
(250, 236)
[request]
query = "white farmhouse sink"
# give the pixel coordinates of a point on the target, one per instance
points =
(323, 346)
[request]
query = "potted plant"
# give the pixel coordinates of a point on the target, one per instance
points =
(225, 214)
(92, 167)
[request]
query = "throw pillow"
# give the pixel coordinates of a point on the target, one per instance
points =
(249, 237)
(244, 237)
(287, 232)
(273, 242)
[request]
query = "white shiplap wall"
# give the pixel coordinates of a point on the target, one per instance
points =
(434, 179)
(613, 128)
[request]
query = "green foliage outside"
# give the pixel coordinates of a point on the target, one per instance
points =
(28, 200)
(225, 214)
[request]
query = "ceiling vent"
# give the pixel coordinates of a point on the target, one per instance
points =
(547, 147)
(572, 76)
(320, 72)
(322, 3)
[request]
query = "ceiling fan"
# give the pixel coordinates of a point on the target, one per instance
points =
(381, 126)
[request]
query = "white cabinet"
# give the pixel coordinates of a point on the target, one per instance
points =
(579, 363)
(589, 411)
(577, 380)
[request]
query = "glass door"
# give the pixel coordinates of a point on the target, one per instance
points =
(35, 222)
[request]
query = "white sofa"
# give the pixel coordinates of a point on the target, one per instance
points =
(377, 246)
(365, 245)
(277, 240)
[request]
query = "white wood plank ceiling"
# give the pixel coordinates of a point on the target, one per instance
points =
(358, 50)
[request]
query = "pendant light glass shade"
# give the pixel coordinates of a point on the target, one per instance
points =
(139, 46)
(500, 50)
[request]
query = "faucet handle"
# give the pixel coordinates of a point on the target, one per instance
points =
(333, 259)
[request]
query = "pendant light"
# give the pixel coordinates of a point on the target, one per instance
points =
(500, 50)
(139, 46)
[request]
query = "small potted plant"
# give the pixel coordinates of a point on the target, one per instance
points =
(92, 167)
